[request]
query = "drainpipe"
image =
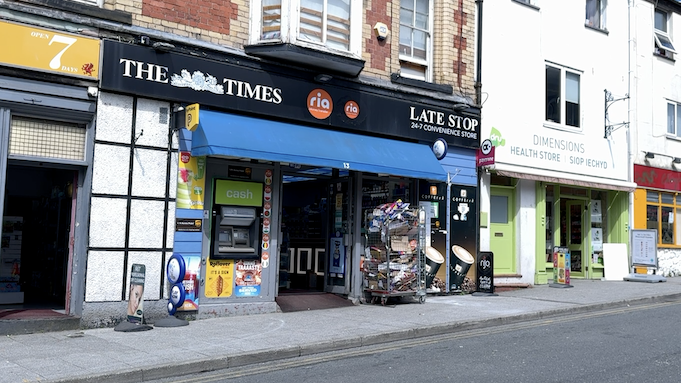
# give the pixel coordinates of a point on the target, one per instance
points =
(630, 159)
(478, 101)
(478, 64)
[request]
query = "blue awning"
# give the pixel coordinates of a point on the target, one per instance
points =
(224, 134)
(461, 165)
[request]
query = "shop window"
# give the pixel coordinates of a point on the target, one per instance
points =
(599, 226)
(595, 13)
(549, 223)
(573, 192)
(378, 192)
(663, 42)
(46, 139)
(415, 39)
(562, 96)
(663, 211)
(673, 119)
(502, 181)
(327, 24)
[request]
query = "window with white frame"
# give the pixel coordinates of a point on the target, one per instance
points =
(529, 2)
(90, 2)
(415, 39)
(663, 212)
(595, 13)
(663, 42)
(326, 24)
(673, 118)
(562, 96)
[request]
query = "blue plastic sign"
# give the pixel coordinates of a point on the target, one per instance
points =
(175, 269)
(177, 294)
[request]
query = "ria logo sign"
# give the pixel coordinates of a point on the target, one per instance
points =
(319, 104)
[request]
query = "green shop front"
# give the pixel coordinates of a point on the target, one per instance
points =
(550, 194)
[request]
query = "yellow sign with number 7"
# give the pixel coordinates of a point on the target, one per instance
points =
(49, 51)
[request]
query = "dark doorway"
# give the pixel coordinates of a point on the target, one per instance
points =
(40, 199)
(304, 232)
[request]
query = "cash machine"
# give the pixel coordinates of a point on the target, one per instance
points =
(236, 220)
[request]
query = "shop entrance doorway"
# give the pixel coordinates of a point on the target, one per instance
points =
(36, 242)
(572, 213)
(315, 245)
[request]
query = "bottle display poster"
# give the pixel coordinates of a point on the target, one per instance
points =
(191, 181)
(191, 283)
(337, 256)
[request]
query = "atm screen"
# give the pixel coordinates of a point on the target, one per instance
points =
(225, 237)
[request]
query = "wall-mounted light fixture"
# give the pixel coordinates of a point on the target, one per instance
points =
(323, 78)
(651, 155)
(163, 47)
(459, 106)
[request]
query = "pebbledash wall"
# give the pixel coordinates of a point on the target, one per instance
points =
(132, 206)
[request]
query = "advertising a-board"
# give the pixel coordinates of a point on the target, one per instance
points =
(463, 238)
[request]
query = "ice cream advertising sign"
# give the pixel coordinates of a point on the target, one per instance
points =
(191, 181)
(248, 278)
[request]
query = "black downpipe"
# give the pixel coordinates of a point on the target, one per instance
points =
(478, 80)
(478, 100)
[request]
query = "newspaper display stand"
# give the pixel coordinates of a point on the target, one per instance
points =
(394, 257)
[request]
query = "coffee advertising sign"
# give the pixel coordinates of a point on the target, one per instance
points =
(463, 237)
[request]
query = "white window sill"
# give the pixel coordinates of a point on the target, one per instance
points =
(323, 48)
(565, 128)
(413, 60)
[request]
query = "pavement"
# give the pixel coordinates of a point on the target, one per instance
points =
(104, 355)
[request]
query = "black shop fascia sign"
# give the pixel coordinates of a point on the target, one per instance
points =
(250, 89)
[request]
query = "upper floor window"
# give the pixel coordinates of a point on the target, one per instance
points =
(91, 2)
(674, 119)
(326, 24)
(595, 13)
(529, 2)
(663, 41)
(415, 39)
(562, 96)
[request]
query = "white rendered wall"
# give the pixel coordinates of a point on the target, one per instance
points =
(518, 41)
(669, 262)
(527, 232)
(656, 81)
(106, 271)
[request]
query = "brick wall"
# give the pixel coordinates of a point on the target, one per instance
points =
(226, 22)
